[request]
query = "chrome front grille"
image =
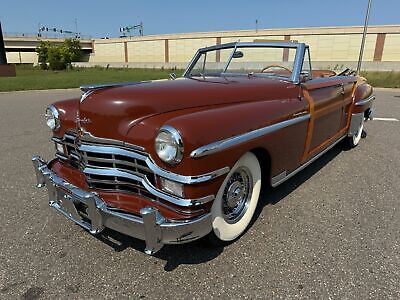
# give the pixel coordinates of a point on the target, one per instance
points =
(115, 167)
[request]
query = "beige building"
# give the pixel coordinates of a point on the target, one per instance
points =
(330, 46)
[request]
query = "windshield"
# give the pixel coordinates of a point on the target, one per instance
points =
(239, 60)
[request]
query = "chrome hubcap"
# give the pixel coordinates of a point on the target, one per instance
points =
(237, 195)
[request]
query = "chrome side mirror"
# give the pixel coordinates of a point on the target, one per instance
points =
(304, 77)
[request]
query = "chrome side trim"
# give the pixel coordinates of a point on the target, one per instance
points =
(185, 179)
(158, 193)
(277, 180)
(236, 140)
(365, 101)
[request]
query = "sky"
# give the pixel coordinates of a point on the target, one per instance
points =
(103, 18)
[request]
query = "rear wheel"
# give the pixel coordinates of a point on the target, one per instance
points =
(236, 201)
(352, 141)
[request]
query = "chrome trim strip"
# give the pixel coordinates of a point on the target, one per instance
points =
(89, 89)
(229, 60)
(178, 140)
(185, 179)
(301, 113)
(297, 64)
(88, 137)
(236, 140)
(365, 101)
(277, 180)
(184, 202)
(292, 45)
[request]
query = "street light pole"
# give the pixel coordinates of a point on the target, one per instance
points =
(3, 57)
(363, 37)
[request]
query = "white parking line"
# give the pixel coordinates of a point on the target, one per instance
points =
(386, 119)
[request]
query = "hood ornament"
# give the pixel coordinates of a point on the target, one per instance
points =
(87, 90)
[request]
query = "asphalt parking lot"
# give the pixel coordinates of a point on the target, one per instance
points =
(330, 232)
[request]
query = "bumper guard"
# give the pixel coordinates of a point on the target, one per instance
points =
(151, 226)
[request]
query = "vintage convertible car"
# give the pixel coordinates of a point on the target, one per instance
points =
(171, 161)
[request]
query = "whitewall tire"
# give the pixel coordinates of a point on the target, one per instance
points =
(353, 141)
(236, 200)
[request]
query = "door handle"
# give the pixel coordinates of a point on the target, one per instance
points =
(342, 88)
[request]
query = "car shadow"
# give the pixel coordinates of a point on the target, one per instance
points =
(271, 196)
(198, 251)
(174, 255)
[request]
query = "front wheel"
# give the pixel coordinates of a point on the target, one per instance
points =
(236, 201)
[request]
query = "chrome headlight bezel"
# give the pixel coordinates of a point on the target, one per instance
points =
(52, 118)
(169, 137)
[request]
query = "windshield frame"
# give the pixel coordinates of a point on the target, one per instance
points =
(297, 64)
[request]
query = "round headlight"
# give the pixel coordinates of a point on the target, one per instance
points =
(169, 145)
(52, 118)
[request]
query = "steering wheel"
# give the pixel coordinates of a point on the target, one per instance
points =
(276, 66)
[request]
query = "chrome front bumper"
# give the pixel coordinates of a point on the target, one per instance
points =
(151, 226)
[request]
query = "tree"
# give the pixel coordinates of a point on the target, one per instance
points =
(58, 57)
(42, 51)
(55, 59)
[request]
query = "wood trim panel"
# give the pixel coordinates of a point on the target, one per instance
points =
(310, 128)
(307, 154)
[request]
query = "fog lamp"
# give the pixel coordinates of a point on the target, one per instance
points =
(172, 187)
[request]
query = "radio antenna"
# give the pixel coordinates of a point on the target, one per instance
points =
(363, 38)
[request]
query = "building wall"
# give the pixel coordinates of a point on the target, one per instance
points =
(108, 52)
(183, 50)
(146, 51)
(329, 44)
(21, 57)
(337, 47)
(391, 51)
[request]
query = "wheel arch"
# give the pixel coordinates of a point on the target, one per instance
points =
(264, 159)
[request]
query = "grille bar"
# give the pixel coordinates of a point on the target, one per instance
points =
(111, 167)
(121, 167)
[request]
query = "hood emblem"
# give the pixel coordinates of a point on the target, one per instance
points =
(84, 120)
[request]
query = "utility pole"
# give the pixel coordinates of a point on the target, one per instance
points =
(76, 26)
(6, 70)
(3, 57)
(363, 37)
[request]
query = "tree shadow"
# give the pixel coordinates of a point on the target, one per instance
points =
(198, 251)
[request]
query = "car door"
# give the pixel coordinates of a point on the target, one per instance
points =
(325, 99)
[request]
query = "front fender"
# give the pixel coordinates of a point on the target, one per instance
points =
(200, 127)
(67, 110)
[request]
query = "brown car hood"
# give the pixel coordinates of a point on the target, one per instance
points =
(112, 112)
